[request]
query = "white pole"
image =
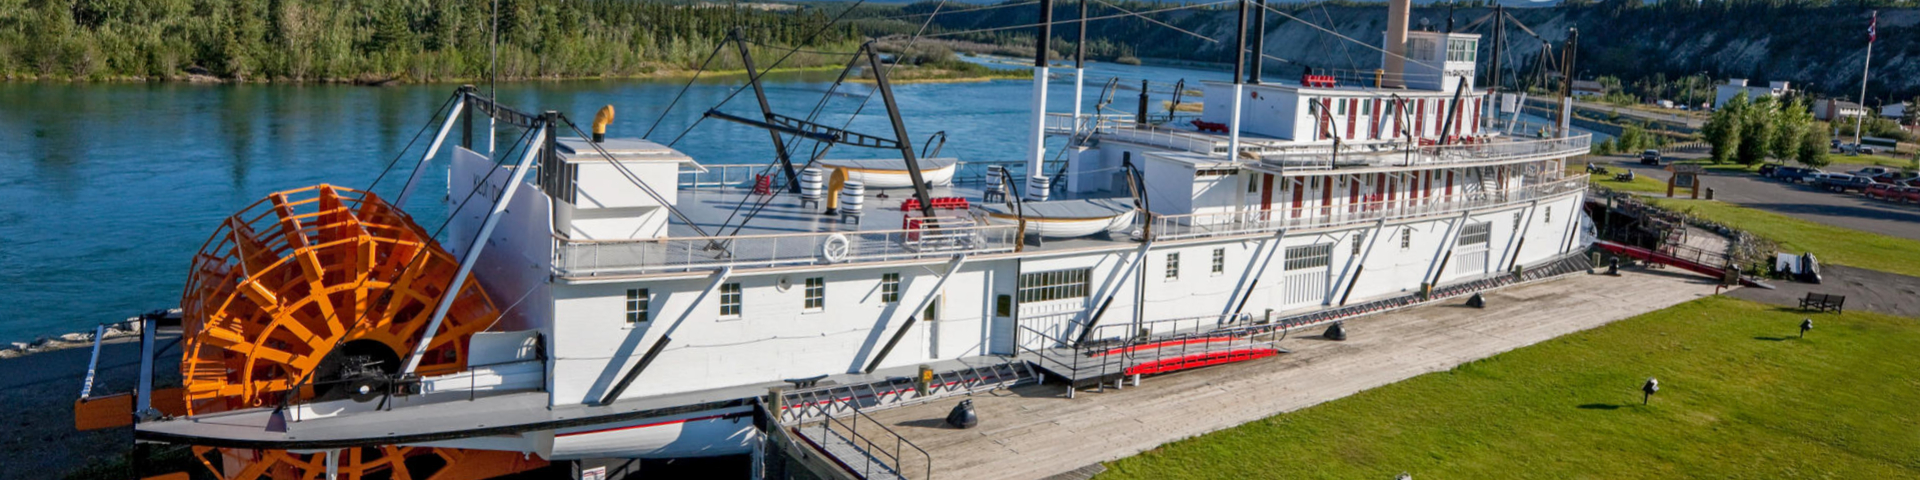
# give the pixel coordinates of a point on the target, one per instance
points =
(1037, 138)
(1233, 124)
(1079, 84)
(473, 249)
(1864, 68)
(439, 139)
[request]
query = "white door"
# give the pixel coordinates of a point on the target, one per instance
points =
(1305, 280)
(1470, 253)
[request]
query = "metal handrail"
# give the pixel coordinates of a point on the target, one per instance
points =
(1322, 157)
(1197, 225)
(869, 450)
(622, 256)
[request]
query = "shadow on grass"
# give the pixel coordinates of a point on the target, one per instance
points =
(1599, 406)
(1774, 339)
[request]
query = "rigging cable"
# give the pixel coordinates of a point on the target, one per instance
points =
(821, 148)
(416, 138)
(763, 72)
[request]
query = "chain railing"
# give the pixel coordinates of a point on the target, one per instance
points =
(1172, 227)
(680, 254)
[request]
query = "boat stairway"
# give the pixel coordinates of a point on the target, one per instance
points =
(864, 449)
(1241, 338)
(811, 404)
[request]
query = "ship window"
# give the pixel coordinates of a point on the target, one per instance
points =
(1516, 220)
(816, 293)
(1476, 234)
(1213, 172)
(1366, 105)
(1003, 306)
(890, 287)
(1173, 266)
(730, 300)
(637, 305)
(1547, 216)
(1390, 107)
(1309, 256)
(1342, 109)
(1406, 238)
(1219, 261)
(1358, 240)
(1459, 50)
(1054, 285)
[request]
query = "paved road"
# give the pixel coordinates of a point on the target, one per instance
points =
(1800, 201)
(1867, 290)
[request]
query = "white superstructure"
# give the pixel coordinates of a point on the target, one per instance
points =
(658, 304)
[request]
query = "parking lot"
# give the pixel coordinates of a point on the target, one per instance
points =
(1850, 210)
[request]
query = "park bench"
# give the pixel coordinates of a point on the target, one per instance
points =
(1822, 302)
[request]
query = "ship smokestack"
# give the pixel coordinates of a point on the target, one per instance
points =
(1394, 60)
(600, 122)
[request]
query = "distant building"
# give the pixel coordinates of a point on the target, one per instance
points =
(1894, 111)
(1588, 88)
(1829, 109)
(1734, 86)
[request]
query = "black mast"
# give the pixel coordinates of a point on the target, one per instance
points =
(766, 110)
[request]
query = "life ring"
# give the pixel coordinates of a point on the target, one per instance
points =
(835, 248)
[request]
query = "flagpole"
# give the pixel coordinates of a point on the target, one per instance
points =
(1865, 67)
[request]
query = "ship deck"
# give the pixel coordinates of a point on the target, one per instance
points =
(787, 232)
(426, 418)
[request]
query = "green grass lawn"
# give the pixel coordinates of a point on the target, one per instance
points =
(1739, 398)
(1641, 183)
(1836, 245)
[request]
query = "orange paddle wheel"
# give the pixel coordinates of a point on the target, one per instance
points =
(314, 282)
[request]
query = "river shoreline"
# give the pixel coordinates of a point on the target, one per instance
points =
(204, 79)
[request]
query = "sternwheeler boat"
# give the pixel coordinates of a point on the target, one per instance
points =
(596, 299)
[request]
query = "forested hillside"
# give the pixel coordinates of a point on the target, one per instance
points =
(1816, 44)
(379, 40)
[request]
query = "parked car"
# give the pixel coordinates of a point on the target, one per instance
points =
(1856, 149)
(1842, 183)
(1795, 174)
(1895, 177)
(1885, 191)
(1911, 194)
(1872, 171)
(1650, 157)
(1768, 169)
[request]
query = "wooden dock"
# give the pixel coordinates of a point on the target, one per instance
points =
(1035, 431)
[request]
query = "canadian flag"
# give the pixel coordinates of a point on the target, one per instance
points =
(1871, 27)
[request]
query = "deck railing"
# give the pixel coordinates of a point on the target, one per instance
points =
(1323, 157)
(1173, 227)
(680, 254)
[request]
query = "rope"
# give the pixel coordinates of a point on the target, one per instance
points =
(1163, 24)
(821, 148)
(937, 11)
(1347, 38)
(1076, 21)
(416, 138)
(684, 88)
(776, 63)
